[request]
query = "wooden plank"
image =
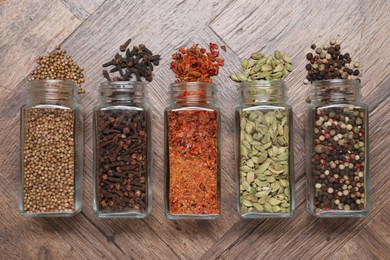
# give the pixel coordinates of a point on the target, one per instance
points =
(372, 242)
(29, 29)
(82, 9)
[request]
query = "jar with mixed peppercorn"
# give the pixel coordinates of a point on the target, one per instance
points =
(337, 150)
(51, 150)
(264, 150)
(192, 155)
(122, 151)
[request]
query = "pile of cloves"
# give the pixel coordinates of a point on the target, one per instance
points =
(122, 160)
(136, 63)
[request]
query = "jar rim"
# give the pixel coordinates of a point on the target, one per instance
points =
(329, 82)
(122, 84)
(193, 84)
(53, 82)
(261, 82)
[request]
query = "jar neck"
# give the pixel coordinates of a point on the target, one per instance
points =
(193, 94)
(262, 92)
(122, 92)
(336, 91)
(54, 92)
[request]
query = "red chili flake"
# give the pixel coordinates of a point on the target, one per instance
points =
(192, 141)
(195, 64)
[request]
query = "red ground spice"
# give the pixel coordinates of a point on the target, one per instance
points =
(192, 142)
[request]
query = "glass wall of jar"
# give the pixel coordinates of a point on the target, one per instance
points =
(337, 150)
(122, 151)
(192, 154)
(264, 150)
(51, 150)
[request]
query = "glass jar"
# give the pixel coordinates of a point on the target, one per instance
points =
(337, 150)
(264, 151)
(192, 155)
(122, 151)
(51, 150)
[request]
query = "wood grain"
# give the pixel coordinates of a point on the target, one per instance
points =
(91, 31)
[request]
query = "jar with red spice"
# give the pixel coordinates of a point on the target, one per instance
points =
(337, 150)
(192, 155)
(264, 150)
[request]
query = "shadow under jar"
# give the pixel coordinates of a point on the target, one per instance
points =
(192, 155)
(337, 150)
(51, 150)
(122, 151)
(264, 151)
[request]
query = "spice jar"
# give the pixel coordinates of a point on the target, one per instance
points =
(122, 151)
(51, 150)
(337, 150)
(192, 155)
(264, 150)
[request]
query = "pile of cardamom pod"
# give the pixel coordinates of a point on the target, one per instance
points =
(259, 67)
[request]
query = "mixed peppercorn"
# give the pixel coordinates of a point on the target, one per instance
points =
(329, 63)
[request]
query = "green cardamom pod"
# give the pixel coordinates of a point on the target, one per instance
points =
(245, 63)
(257, 55)
(242, 77)
(288, 66)
(235, 77)
(277, 54)
(287, 58)
(276, 75)
(279, 68)
(269, 59)
(261, 61)
(266, 67)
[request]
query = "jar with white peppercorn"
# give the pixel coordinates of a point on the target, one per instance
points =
(122, 151)
(264, 150)
(51, 150)
(337, 150)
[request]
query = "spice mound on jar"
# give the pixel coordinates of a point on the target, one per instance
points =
(134, 64)
(58, 66)
(260, 67)
(329, 63)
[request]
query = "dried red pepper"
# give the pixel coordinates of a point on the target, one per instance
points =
(193, 177)
(195, 64)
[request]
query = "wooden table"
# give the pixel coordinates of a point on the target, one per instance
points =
(92, 31)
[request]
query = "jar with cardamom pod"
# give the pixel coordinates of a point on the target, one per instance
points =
(192, 154)
(122, 151)
(264, 150)
(337, 150)
(51, 154)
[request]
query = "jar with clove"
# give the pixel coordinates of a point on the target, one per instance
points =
(51, 150)
(192, 154)
(264, 150)
(122, 151)
(337, 150)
